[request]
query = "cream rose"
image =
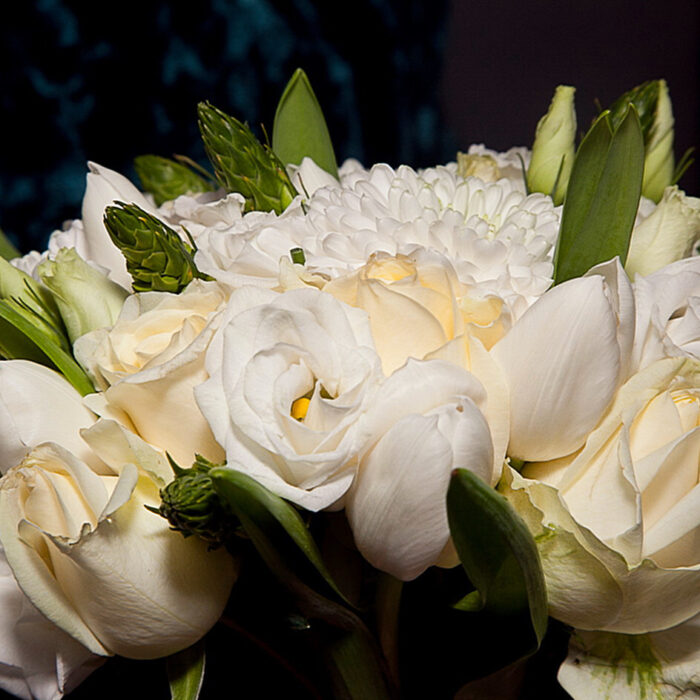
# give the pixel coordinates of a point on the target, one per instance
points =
(416, 304)
(291, 376)
(149, 362)
(96, 562)
(618, 523)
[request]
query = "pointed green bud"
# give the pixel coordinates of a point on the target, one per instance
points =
(156, 257)
(553, 149)
(167, 179)
(653, 104)
(191, 505)
(242, 164)
(86, 298)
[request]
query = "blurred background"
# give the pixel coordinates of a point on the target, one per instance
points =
(400, 81)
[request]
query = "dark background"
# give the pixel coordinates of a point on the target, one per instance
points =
(399, 80)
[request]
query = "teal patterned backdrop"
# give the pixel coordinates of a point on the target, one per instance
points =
(107, 82)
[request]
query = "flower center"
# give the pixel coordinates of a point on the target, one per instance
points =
(299, 408)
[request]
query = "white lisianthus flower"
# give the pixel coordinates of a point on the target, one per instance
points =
(96, 562)
(666, 235)
(291, 376)
(38, 660)
(656, 666)
(104, 188)
(564, 359)
(617, 523)
(668, 313)
(38, 405)
(425, 422)
(149, 362)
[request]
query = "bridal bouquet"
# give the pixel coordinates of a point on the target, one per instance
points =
(406, 429)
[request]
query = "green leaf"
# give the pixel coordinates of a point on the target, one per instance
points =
(7, 250)
(167, 179)
(242, 164)
(645, 98)
(21, 339)
(603, 196)
(186, 672)
(252, 502)
(300, 128)
(499, 555)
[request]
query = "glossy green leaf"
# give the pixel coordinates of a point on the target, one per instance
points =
(300, 128)
(499, 555)
(186, 672)
(7, 250)
(251, 501)
(603, 196)
(26, 341)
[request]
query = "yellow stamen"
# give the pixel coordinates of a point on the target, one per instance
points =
(299, 408)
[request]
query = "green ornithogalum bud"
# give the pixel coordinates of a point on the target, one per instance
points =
(191, 505)
(87, 299)
(156, 257)
(553, 149)
(242, 163)
(653, 104)
(33, 300)
(167, 179)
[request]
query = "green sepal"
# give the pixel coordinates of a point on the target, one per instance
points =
(156, 257)
(186, 672)
(256, 506)
(20, 338)
(7, 250)
(242, 164)
(499, 556)
(603, 196)
(167, 179)
(300, 129)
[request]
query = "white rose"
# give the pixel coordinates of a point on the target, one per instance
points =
(96, 562)
(149, 363)
(38, 405)
(668, 313)
(291, 375)
(618, 523)
(426, 421)
(38, 661)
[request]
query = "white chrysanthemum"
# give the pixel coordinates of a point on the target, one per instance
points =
(511, 162)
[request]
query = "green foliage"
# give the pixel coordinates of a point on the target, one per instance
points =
(186, 672)
(167, 179)
(242, 164)
(603, 196)
(156, 257)
(7, 250)
(300, 128)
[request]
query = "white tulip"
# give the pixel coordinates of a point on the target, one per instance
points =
(617, 523)
(661, 665)
(149, 363)
(563, 360)
(96, 562)
(104, 187)
(38, 405)
(291, 375)
(425, 423)
(38, 661)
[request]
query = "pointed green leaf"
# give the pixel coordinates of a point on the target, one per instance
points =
(249, 500)
(7, 250)
(499, 555)
(167, 179)
(27, 341)
(603, 196)
(186, 672)
(300, 128)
